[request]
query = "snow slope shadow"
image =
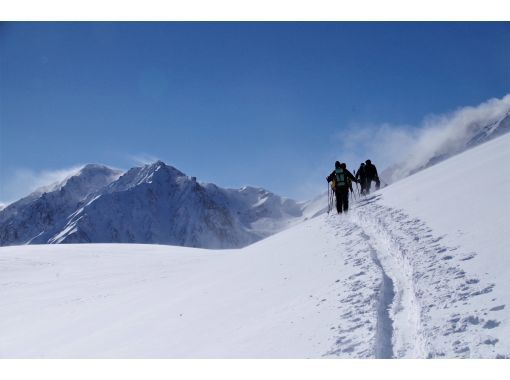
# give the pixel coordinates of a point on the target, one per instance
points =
(384, 329)
(405, 314)
(384, 347)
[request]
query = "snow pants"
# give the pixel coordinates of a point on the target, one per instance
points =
(369, 184)
(363, 184)
(342, 198)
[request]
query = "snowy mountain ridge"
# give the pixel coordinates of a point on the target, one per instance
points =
(47, 208)
(450, 135)
(155, 203)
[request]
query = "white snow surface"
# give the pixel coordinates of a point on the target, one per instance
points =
(415, 270)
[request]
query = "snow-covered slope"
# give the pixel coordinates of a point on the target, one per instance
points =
(444, 233)
(418, 269)
(151, 204)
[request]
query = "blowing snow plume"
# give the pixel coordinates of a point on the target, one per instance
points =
(405, 150)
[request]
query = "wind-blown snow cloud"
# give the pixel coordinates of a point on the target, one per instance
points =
(412, 147)
(143, 159)
(25, 181)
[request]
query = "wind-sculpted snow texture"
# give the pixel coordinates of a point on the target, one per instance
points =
(416, 270)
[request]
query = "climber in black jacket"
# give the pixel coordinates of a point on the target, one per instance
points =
(371, 175)
(339, 178)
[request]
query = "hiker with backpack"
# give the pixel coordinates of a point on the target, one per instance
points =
(361, 176)
(371, 175)
(349, 181)
(340, 177)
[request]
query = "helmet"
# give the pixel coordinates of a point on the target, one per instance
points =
(343, 166)
(368, 162)
(337, 164)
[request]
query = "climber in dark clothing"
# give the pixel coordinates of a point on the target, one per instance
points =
(371, 175)
(361, 176)
(349, 182)
(339, 177)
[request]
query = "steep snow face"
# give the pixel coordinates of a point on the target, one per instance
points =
(490, 131)
(30, 218)
(159, 204)
(452, 136)
(151, 204)
(155, 204)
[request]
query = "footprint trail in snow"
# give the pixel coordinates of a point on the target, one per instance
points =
(410, 294)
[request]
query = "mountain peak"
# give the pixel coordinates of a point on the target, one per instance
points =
(163, 170)
(156, 172)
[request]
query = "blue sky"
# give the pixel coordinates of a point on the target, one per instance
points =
(266, 104)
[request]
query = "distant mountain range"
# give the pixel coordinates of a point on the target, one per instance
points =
(155, 204)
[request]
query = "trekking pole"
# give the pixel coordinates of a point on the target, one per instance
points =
(328, 199)
(332, 199)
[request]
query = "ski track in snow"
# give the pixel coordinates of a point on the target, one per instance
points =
(410, 292)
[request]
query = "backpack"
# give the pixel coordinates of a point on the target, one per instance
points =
(333, 184)
(340, 177)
